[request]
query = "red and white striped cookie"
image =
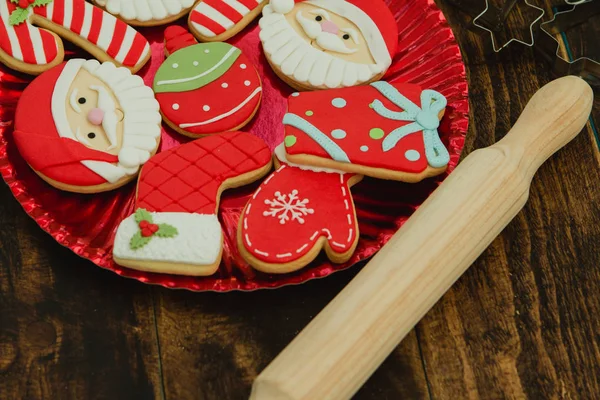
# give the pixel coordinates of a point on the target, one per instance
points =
(35, 49)
(218, 20)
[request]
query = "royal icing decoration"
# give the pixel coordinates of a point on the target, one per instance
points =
(26, 43)
(180, 187)
(84, 124)
(213, 78)
(292, 211)
(214, 18)
(145, 10)
(383, 126)
(329, 44)
(148, 230)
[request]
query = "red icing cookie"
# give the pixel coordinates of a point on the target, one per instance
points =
(294, 214)
(383, 130)
(30, 49)
(206, 88)
(87, 127)
(175, 229)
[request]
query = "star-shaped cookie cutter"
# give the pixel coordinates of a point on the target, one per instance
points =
(549, 47)
(495, 47)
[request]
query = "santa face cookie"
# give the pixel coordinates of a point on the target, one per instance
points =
(35, 49)
(219, 20)
(175, 228)
(207, 88)
(147, 12)
(320, 44)
(297, 212)
(382, 130)
(87, 127)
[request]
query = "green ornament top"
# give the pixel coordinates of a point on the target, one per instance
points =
(194, 67)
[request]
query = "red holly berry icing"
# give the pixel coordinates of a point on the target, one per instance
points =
(148, 230)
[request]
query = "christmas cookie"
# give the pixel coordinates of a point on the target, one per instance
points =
(297, 212)
(219, 20)
(207, 88)
(87, 127)
(147, 12)
(382, 130)
(30, 29)
(320, 44)
(175, 228)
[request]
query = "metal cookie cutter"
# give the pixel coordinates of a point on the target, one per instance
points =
(548, 46)
(506, 10)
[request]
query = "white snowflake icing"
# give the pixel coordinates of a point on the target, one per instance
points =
(288, 207)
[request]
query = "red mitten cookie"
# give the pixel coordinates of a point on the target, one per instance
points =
(218, 20)
(175, 228)
(294, 214)
(87, 127)
(33, 50)
(206, 88)
(383, 130)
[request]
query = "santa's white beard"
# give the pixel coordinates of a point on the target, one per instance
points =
(141, 120)
(305, 64)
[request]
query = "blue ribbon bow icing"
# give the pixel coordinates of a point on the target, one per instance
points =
(424, 118)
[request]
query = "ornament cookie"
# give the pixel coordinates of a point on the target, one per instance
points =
(321, 44)
(175, 228)
(207, 88)
(382, 130)
(87, 127)
(147, 12)
(297, 212)
(35, 49)
(219, 20)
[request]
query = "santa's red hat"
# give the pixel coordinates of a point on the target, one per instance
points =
(372, 17)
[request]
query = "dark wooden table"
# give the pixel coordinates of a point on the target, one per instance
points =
(524, 321)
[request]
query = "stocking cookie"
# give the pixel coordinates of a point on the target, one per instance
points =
(219, 20)
(297, 212)
(206, 88)
(35, 49)
(87, 127)
(320, 44)
(147, 12)
(383, 130)
(175, 228)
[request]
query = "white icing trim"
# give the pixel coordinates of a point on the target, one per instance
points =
(282, 156)
(192, 78)
(198, 241)
(225, 115)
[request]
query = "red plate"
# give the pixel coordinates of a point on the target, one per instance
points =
(428, 55)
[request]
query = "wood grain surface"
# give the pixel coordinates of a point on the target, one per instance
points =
(521, 323)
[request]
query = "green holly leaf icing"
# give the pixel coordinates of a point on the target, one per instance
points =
(142, 215)
(166, 231)
(39, 3)
(138, 241)
(14, 1)
(194, 67)
(18, 16)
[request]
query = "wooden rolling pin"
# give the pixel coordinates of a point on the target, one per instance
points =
(338, 351)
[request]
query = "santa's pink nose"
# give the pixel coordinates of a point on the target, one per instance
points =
(329, 27)
(96, 116)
